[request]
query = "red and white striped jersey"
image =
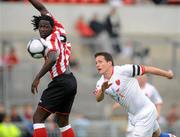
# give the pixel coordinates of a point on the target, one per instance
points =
(57, 42)
(125, 88)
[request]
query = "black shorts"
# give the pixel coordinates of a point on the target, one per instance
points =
(59, 96)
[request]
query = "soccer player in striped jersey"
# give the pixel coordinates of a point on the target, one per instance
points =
(59, 96)
(120, 83)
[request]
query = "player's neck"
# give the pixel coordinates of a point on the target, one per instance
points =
(109, 73)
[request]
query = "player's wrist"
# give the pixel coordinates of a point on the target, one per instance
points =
(37, 77)
(103, 89)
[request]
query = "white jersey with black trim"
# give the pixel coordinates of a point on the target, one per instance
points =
(125, 88)
(152, 93)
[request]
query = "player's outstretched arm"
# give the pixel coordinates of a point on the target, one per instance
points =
(156, 71)
(39, 6)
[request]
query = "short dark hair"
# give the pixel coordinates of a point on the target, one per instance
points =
(106, 55)
(36, 19)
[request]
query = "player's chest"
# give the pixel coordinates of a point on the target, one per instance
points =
(117, 87)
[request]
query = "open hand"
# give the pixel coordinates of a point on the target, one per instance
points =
(105, 85)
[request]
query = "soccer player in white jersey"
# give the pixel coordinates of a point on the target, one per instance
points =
(119, 82)
(151, 92)
(59, 95)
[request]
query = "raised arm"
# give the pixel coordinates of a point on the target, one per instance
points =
(156, 71)
(39, 6)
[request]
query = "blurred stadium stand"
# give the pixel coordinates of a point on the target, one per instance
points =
(141, 30)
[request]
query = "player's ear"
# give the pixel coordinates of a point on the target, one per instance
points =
(110, 63)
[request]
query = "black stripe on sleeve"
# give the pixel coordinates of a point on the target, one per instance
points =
(133, 71)
(138, 70)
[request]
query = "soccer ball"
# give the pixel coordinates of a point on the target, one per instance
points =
(36, 48)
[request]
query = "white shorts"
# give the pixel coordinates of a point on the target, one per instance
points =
(143, 124)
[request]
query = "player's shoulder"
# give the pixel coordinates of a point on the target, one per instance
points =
(56, 22)
(49, 14)
(125, 66)
(117, 67)
(122, 68)
(52, 36)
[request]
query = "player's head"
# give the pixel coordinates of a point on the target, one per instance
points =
(44, 24)
(104, 61)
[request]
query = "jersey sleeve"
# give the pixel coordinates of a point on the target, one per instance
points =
(132, 70)
(59, 27)
(56, 23)
(51, 44)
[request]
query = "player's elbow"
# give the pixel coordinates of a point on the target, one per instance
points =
(53, 61)
(43, 11)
